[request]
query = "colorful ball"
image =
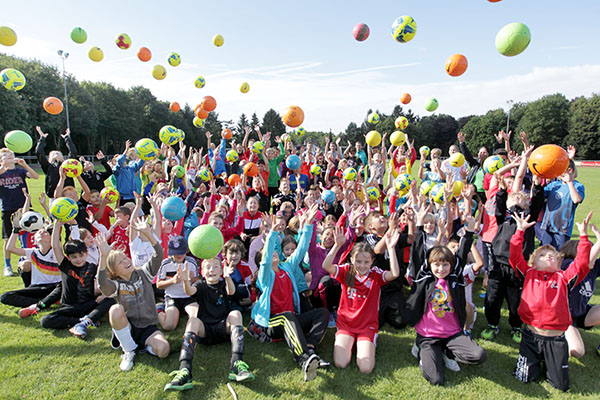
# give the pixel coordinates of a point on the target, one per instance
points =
(437, 193)
(201, 112)
(226, 133)
(424, 150)
(53, 105)
(174, 59)
(404, 29)
(349, 174)
(373, 118)
(198, 123)
(456, 160)
(159, 72)
(245, 87)
(401, 122)
(205, 242)
(403, 182)
(234, 179)
(18, 141)
(146, 149)
(300, 131)
(457, 188)
(209, 103)
(328, 196)
(8, 37)
(204, 174)
(232, 156)
(250, 169)
(199, 82)
(373, 193)
(12, 79)
(218, 40)
(180, 135)
(144, 54)
(493, 164)
(361, 32)
(174, 106)
(123, 41)
(258, 147)
(179, 171)
(431, 104)
(173, 208)
(169, 135)
(96, 54)
(31, 221)
(373, 138)
(315, 169)
(285, 138)
(513, 39)
(425, 187)
(64, 209)
(109, 194)
(456, 65)
(72, 167)
(293, 162)
(405, 98)
(78, 35)
(293, 116)
(398, 138)
(549, 161)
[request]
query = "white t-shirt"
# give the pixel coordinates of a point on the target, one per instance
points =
(168, 269)
(141, 251)
(455, 172)
(44, 268)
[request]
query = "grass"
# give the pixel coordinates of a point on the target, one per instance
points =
(40, 364)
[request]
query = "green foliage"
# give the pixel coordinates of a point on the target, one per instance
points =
(546, 120)
(584, 127)
(273, 123)
(480, 130)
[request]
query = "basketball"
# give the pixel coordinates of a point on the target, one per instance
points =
(293, 116)
(456, 65)
(146, 149)
(205, 241)
(405, 98)
(373, 193)
(456, 160)
(12, 79)
(513, 39)
(72, 167)
(360, 32)
(234, 179)
(349, 174)
(293, 162)
(209, 103)
(549, 161)
(96, 54)
(109, 194)
(204, 174)
(64, 209)
(245, 87)
(328, 196)
(431, 104)
(373, 118)
(251, 169)
(218, 40)
(199, 82)
(159, 72)
(173, 208)
(404, 29)
(373, 138)
(493, 164)
(144, 54)
(401, 122)
(18, 141)
(232, 156)
(123, 41)
(398, 138)
(174, 59)
(315, 169)
(198, 123)
(8, 37)
(174, 106)
(258, 147)
(78, 35)
(226, 133)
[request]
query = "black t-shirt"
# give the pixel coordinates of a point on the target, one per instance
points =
(77, 282)
(213, 300)
(11, 184)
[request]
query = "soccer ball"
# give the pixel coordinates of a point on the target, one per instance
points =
(180, 135)
(12, 79)
(437, 193)
(232, 156)
(199, 82)
(549, 161)
(218, 40)
(513, 39)
(159, 72)
(123, 41)
(349, 174)
(315, 169)
(174, 59)
(398, 138)
(457, 188)
(373, 193)
(403, 182)
(328, 196)
(401, 123)
(31, 221)
(258, 147)
(72, 167)
(293, 162)
(425, 187)
(179, 171)
(373, 118)
(456, 160)
(78, 35)
(146, 149)
(96, 54)
(110, 194)
(285, 138)
(64, 209)
(493, 164)
(373, 138)
(204, 174)
(431, 104)
(404, 29)
(424, 150)
(300, 131)
(198, 123)
(245, 87)
(293, 116)
(169, 135)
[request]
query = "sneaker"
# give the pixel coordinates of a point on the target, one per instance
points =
(415, 351)
(28, 311)
(182, 380)
(8, 271)
(516, 335)
(450, 363)
(239, 372)
(331, 323)
(160, 307)
(80, 329)
(490, 332)
(309, 367)
(114, 342)
(127, 360)
(322, 363)
(258, 332)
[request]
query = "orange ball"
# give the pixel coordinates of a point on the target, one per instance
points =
(251, 169)
(549, 161)
(456, 65)
(226, 134)
(53, 105)
(209, 103)
(175, 106)
(201, 112)
(144, 54)
(405, 98)
(293, 116)
(234, 179)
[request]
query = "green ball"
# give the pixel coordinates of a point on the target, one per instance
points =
(205, 241)
(78, 35)
(431, 104)
(513, 39)
(18, 141)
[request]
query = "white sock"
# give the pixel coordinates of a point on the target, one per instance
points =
(124, 336)
(149, 350)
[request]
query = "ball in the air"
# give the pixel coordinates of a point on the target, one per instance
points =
(218, 40)
(173, 208)
(401, 122)
(8, 37)
(315, 169)
(109, 194)
(146, 149)
(361, 32)
(437, 193)
(293, 162)
(549, 161)
(493, 164)
(373, 118)
(159, 72)
(198, 123)
(404, 29)
(174, 59)
(425, 150)
(398, 138)
(232, 156)
(245, 87)
(123, 41)
(456, 160)
(328, 196)
(204, 174)
(431, 104)
(513, 39)
(169, 135)
(373, 193)
(12, 79)
(199, 82)
(31, 221)
(96, 54)
(205, 241)
(18, 141)
(72, 167)
(64, 209)
(258, 147)
(349, 174)
(78, 35)
(373, 138)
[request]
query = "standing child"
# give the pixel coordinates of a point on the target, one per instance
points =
(118, 231)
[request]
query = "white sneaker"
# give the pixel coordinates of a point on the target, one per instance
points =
(415, 351)
(8, 271)
(451, 364)
(127, 360)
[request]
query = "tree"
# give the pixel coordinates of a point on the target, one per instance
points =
(584, 127)
(273, 123)
(546, 120)
(480, 130)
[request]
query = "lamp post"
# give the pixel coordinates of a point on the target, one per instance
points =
(510, 104)
(64, 55)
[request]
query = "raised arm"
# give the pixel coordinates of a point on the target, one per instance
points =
(56, 244)
(107, 286)
(340, 239)
(70, 145)
(32, 174)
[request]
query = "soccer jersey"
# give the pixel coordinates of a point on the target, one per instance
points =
(359, 305)
(120, 237)
(44, 267)
(168, 269)
(105, 220)
(282, 298)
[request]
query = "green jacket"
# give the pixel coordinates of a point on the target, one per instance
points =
(273, 165)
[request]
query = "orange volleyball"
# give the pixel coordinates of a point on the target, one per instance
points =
(209, 103)
(549, 161)
(405, 98)
(144, 54)
(226, 134)
(251, 169)
(456, 65)
(53, 105)
(174, 106)
(201, 112)
(293, 116)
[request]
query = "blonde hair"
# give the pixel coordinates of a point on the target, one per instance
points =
(436, 153)
(520, 199)
(546, 247)
(67, 188)
(111, 263)
(207, 261)
(6, 150)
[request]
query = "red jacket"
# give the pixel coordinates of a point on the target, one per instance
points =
(545, 297)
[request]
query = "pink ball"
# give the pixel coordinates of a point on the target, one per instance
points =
(361, 32)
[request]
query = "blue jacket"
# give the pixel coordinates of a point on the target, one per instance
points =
(261, 312)
(126, 177)
(219, 160)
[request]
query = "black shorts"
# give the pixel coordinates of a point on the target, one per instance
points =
(579, 322)
(140, 335)
(180, 303)
(214, 333)
(7, 226)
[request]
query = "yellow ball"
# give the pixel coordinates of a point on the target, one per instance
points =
(72, 167)
(8, 37)
(123, 41)
(174, 59)
(169, 135)
(373, 118)
(199, 82)
(315, 169)
(457, 188)
(146, 149)
(401, 123)
(404, 29)
(198, 123)
(437, 193)
(245, 87)
(218, 40)
(373, 138)
(349, 174)
(12, 79)
(110, 194)
(456, 160)
(96, 54)
(425, 150)
(64, 209)
(258, 147)
(159, 72)
(398, 138)
(373, 193)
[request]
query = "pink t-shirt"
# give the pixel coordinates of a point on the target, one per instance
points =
(440, 320)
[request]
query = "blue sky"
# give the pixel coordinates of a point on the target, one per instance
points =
(303, 53)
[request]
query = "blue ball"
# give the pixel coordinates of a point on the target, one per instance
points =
(173, 208)
(293, 162)
(328, 197)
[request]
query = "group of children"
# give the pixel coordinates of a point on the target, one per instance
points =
(296, 261)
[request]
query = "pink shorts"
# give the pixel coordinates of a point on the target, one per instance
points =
(370, 336)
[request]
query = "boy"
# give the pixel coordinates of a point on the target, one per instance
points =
(216, 323)
(51, 164)
(118, 231)
(233, 252)
(82, 201)
(100, 210)
(95, 179)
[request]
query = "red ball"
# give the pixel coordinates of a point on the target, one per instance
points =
(549, 161)
(361, 32)
(405, 98)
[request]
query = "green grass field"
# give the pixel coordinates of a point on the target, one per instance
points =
(42, 364)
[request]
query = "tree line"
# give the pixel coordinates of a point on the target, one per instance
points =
(104, 117)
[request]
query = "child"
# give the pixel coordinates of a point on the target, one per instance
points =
(82, 201)
(100, 209)
(437, 308)
(217, 322)
(233, 252)
(544, 304)
(134, 318)
(361, 288)
(118, 231)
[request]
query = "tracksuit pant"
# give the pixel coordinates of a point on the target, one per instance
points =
(70, 314)
(503, 283)
(43, 295)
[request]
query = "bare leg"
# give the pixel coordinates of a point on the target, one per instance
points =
(342, 351)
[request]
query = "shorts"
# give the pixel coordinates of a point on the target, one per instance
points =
(180, 303)
(579, 322)
(7, 226)
(370, 336)
(140, 335)
(214, 333)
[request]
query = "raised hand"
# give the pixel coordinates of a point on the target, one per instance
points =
(340, 236)
(523, 222)
(571, 151)
(583, 226)
(41, 133)
(140, 225)
(100, 155)
(103, 245)
(470, 223)
(392, 238)
(66, 134)
(499, 136)
(228, 270)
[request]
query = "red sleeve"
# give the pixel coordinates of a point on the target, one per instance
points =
(580, 267)
(213, 202)
(178, 227)
(392, 204)
(516, 259)
(342, 221)
(235, 230)
(232, 212)
(340, 273)
(413, 156)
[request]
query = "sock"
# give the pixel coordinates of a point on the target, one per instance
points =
(187, 350)
(124, 336)
(237, 343)
(149, 350)
(7, 262)
(26, 278)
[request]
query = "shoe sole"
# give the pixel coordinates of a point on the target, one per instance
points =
(187, 386)
(82, 337)
(311, 371)
(237, 378)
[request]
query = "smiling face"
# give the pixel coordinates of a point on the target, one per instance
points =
(288, 249)
(42, 238)
(233, 257)
(216, 221)
(328, 238)
(212, 270)
(440, 269)
(362, 262)
(429, 224)
(252, 205)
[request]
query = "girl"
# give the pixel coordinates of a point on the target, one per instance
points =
(361, 288)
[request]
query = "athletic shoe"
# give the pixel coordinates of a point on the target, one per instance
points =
(114, 341)
(451, 364)
(127, 360)
(8, 271)
(258, 332)
(80, 329)
(160, 307)
(490, 332)
(415, 351)
(516, 335)
(309, 367)
(239, 372)
(331, 323)
(28, 311)
(182, 380)
(322, 363)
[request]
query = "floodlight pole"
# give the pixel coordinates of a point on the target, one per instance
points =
(63, 55)
(509, 103)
